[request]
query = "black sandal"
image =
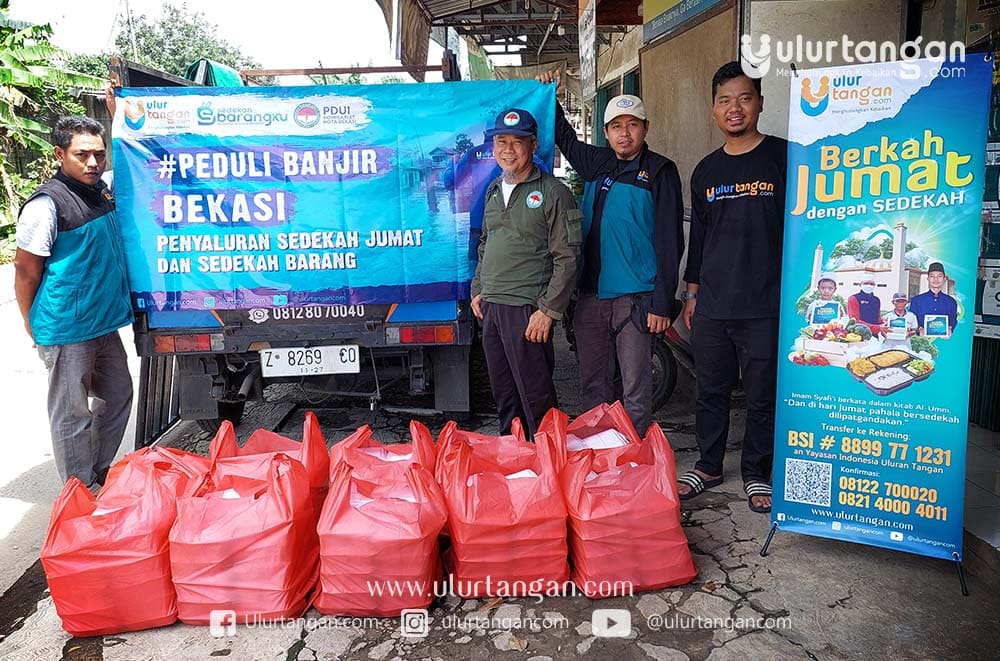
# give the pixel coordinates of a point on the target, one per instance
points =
(697, 483)
(756, 489)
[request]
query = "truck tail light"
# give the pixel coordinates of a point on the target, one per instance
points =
(202, 343)
(443, 334)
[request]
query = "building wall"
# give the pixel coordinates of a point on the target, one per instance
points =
(621, 57)
(676, 87)
(861, 20)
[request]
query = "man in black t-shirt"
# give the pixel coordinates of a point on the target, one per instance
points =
(733, 279)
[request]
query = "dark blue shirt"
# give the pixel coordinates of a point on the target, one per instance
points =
(931, 303)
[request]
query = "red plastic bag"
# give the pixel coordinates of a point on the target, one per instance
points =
(506, 513)
(378, 538)
(361, 449)
(106, 559)
(624, 511)
(254, 458)
(246, 544)
(190, 469)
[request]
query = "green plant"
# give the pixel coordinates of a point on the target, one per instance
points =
(33, 90)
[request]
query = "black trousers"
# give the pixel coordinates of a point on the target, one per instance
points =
(723, 349)
(520, 371)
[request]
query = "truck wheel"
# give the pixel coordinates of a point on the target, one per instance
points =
(232, 411)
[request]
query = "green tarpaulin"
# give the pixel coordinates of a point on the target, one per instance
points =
(212, 74)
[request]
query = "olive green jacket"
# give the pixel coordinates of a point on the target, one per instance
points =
(529, 249)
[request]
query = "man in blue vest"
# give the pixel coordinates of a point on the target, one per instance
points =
(633, 214)
(73, 294)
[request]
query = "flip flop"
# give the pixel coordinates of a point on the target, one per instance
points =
(697, 483)
(753, 489)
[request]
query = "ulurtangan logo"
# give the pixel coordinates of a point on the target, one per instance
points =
(306, 115)
(259, 316)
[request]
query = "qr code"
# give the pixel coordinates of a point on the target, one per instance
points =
(808, 482)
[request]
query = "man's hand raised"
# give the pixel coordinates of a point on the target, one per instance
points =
(548, 77)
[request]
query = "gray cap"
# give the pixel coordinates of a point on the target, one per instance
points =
(900, 296)
(624, 104)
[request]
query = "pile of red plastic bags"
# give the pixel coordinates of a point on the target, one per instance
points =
(270, 528)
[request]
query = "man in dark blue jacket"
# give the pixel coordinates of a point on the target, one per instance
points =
(633, 213)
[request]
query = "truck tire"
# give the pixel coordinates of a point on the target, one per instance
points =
(232, 411)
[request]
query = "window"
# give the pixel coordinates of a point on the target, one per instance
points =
(627, 84)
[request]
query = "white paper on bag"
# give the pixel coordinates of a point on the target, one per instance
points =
(609, 438)
(231, 494)
(385, 455)
(527, 472)
(101, 511)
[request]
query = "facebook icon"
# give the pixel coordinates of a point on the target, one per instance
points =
(222, 623)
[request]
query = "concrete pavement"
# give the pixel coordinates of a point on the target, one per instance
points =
(809, 599)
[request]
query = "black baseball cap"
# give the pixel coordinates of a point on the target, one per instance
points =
(513, 121)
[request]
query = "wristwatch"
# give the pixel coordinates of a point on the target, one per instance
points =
(688, 295)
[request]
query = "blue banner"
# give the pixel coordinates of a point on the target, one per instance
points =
(885, 186)
(237, 198)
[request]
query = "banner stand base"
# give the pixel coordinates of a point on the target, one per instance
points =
(958, 562)
(961, 574)
(767, 542)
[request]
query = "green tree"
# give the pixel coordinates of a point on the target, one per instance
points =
(90, 64)
(850, 248)
(463, 143)
(175, 40)
(34, 89)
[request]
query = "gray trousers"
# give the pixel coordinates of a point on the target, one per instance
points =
(85, 439)
(594, 324)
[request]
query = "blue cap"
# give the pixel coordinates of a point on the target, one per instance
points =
(513, 121)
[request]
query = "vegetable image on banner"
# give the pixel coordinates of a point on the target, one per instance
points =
(238, 198)
(885, 186)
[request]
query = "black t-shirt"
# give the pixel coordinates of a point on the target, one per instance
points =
(737, 218)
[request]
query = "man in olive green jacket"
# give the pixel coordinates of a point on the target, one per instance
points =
(527, 269)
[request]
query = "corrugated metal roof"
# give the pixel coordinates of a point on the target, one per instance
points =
(441, 8)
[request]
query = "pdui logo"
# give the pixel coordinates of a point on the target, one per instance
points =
(535, 199)
(625, 103)
(511, 119)
(306, 115)
(815, 103)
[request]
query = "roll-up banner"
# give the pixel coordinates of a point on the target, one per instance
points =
(885, 187)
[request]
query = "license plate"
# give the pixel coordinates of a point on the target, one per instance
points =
(304, 361)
